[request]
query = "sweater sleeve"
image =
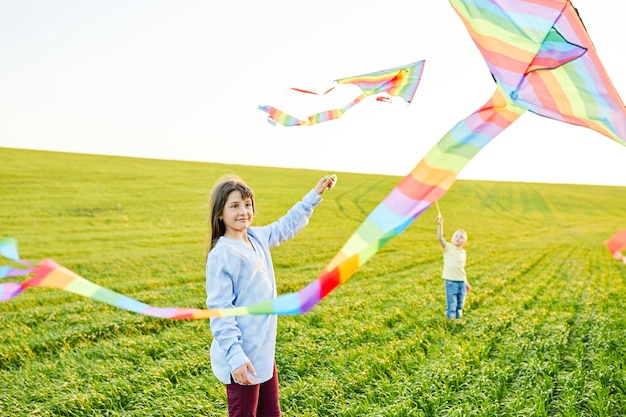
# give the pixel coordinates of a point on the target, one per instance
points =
(293, 221)
(221, 294)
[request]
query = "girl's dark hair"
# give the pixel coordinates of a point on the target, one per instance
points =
(221, 190)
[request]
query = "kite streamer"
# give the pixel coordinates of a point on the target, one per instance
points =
(49, 274)
(542, 61)
(616, 244)
(400, 81)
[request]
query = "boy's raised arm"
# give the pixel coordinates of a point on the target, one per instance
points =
(442, 241)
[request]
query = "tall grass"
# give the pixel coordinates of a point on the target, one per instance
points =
(543, 335)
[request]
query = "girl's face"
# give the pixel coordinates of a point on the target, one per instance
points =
(237, 213)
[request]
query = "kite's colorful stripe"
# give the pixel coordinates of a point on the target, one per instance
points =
(400, 81)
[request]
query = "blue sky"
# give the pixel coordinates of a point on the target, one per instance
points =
(183, 79)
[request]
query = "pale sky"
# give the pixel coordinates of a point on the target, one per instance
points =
(182, 80)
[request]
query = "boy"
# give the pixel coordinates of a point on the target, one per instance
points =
(454, 259)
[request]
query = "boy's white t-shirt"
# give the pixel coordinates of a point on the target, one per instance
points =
(454, 263)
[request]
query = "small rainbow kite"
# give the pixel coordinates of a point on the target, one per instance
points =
(400, 81)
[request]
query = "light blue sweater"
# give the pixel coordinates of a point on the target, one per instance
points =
(237, 275)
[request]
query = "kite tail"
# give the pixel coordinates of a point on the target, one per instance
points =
(279, 116)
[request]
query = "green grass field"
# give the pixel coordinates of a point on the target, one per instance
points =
(544, 332)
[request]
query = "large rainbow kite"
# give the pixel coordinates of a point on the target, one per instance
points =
(400, 82)
(541, 59)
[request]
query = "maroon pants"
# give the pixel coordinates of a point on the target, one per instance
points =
(260, 400)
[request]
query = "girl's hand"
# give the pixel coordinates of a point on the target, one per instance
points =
(240, 375)
(326, 183)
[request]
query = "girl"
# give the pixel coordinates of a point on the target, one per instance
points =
(239, 272)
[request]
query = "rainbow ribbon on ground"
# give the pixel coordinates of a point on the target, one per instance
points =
(400, 81)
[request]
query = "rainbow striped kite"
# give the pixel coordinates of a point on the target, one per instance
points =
(542, 61)
(400, 81)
